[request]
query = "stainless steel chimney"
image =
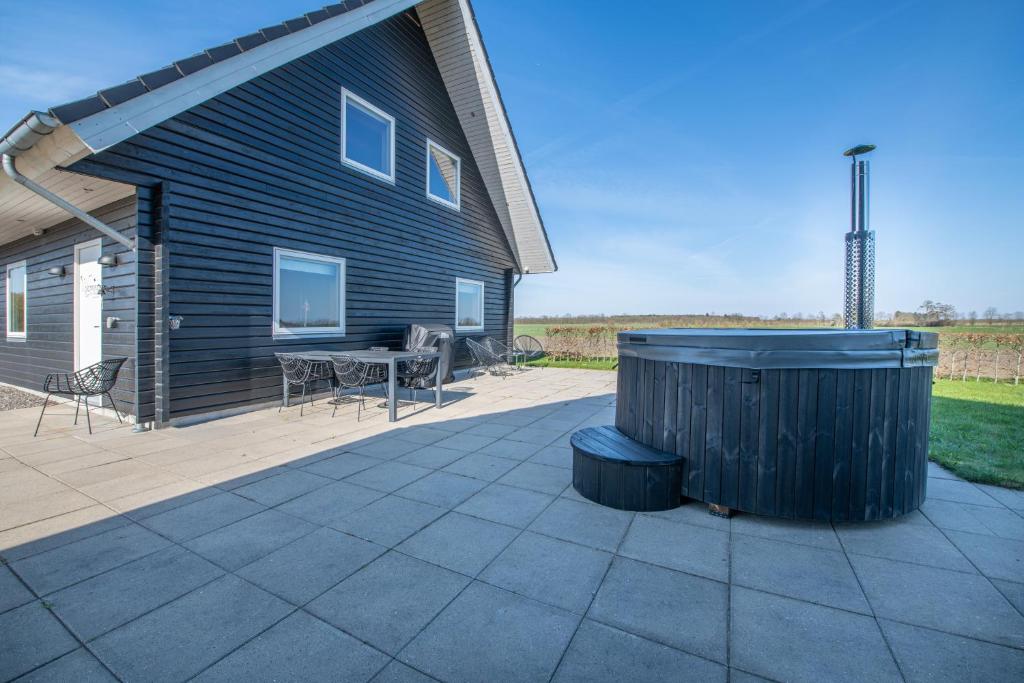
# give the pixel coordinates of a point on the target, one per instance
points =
(859, 308)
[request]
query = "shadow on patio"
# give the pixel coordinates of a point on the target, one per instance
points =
(452, 546)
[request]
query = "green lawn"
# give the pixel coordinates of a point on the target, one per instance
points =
(978, 430)
(589, 364)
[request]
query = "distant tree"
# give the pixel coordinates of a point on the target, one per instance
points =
(973, 317)
(990, 314)
(936, 313)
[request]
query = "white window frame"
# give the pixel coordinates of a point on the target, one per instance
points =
(7, 301)
(458, 177)
(347, 95)
(286, 332)
(483, 307)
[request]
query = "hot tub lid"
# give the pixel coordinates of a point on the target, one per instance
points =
(784, 348)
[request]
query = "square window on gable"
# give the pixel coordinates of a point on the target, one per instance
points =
(444, 173)
(367, 137)
(309, 294)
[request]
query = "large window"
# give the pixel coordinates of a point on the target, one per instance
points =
(309, 294)
(367, 137)
(469, 305)
(17, 300)
(443, 175)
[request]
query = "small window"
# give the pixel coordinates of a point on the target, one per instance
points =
(444, 171)
(309, 294)
(469, 305)
(17, 300)
(367, 137)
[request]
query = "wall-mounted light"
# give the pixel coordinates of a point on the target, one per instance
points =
(107, 260)
(56, 270)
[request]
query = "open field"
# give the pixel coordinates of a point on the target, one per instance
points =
(539, 330)
(968, 352)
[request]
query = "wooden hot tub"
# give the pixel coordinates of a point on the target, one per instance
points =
(802, 424)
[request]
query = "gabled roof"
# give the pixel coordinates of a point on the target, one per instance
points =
(117, 113)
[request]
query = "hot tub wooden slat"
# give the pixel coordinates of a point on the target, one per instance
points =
(684, 410)
(698, 430)
(668, 440)
(713, 434)
(859, 456)
(902, 438)
(807, 424)
(892, 402)
(839, 444)
(768, 441)
(749, 418)
(824, 444)
(876, 443)
(843, 449)
(731, 423)
(785, 473)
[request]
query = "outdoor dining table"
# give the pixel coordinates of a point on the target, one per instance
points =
(388, 358)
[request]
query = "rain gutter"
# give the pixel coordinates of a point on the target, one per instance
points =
(21, 139)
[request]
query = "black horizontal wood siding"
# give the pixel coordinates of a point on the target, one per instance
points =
(259, 167)
(50, 343)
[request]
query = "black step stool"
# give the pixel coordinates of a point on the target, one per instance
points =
(612, 469)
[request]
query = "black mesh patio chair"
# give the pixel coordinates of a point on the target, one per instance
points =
(351, 373)
(488, 359)
(303, 372)
(420, 367)
(510, 356)
(95, 380)
(528, 348)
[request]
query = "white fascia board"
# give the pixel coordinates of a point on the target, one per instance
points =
(513, 162)
(111, 126)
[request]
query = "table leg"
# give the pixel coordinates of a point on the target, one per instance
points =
(392, 390)
(284, 391)
(437, 384)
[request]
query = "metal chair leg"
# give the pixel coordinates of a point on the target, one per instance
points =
(114, 406)
(78, 404)
(302, 404)
(40, 421)
(88, 421)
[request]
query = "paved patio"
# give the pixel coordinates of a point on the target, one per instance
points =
(451, 546)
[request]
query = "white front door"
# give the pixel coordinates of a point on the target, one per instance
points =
(88, 306)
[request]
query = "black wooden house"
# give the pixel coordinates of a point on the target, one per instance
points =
(317, 184)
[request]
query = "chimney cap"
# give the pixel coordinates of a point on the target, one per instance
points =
(859, 149)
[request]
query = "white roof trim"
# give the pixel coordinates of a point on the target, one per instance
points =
(111, 126)
(459, 52)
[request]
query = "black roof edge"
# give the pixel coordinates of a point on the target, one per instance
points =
(70, 112)
(122, 93)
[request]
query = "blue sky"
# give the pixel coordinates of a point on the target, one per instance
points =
(686, 156)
